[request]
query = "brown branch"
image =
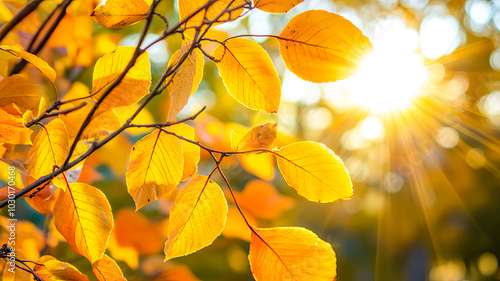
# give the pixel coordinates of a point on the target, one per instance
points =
(48, 114)
(24, 12)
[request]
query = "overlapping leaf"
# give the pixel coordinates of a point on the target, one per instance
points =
(291, 253)
(249, 74)
(12, 129)
(155, 167)
(120, 13)
(82, 214)
(185, 80)
(315, 171)
(191, 151)
(197, 218)
(276, 6)
(37, 62)
(106, 269)
(21, 91)
(49, 151)
(134, 85)
(319, 46)
(259, 137)
(49, 268)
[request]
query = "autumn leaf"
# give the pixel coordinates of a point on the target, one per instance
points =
(49, 151)
(276, 6)
(236, 226)
(44, 200)
(319, 46)
(290, 253)
(261, 165)
(37, 62)
(249, 74)
(185, 79)
(190, 151)
(197, 218)
(259, 137)
(134, 85)
(218, 12)
(106, 269)
(20, 90)
(120, 13)
(314, 171)
(12, 128)
(49, 268)
(155, 167)
(82, 214)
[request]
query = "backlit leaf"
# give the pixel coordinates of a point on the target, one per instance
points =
(12, 128)
(276, 6)
(217, 11)
(197, 218)
(20, 90)
(314, 171)
(249, 74)
(134, 85)
(260, 164)
(259, 137)
(319, 46)
(186, 79)
(49, 151)
(291, 253)
(82, 214)
(106, 269)
(155, 167)
(37, 62)
(55, 270)
(120, 13)
(191, 151)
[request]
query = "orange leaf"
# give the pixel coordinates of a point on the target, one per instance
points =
(263, 201)
(276, 6)
(106, 269)
(191, 151)
(249, 74)
(197, 218)
(261, 165)
(235, 225)
(37, 62)
(53, 269)
(155, 167)
(44, 201)
(216, 11)
(134, 230)
(259, 137)
(314, 171)
(291, 253)
(21, 91)
(120, 13)
(319, 46)
(12, 129)
(134, 85)
(185, 80)
(82, 214)
(49, 151)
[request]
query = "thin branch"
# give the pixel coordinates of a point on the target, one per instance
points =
(47, 115)
(23, 13)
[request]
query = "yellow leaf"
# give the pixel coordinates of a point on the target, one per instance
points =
(314, 171)
(82, 214)
(37, 62)
(185, 80)
(249, 74)
(261, 165)
(263, 201)
(20, 90)
(197, 218)
(259, 137)
(144, 117)
(155, 167)
(12, 129)
(134, 85)
(291, 253)
(319, 46)
(52, 269)
(17, 274)
(49, 151)
(191, 151)
(106, 269)
(120, 13)
(236, 226)
(126, 254)
(276, 6)
(214, 12)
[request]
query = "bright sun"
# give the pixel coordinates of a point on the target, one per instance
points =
(389, 79)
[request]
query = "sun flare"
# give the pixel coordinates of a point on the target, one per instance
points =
(388, 80)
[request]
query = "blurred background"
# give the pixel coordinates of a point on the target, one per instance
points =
(418, 128)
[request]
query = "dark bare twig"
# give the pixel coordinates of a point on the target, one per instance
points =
(24, 12)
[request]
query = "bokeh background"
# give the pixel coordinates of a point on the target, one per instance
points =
(418, 128)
